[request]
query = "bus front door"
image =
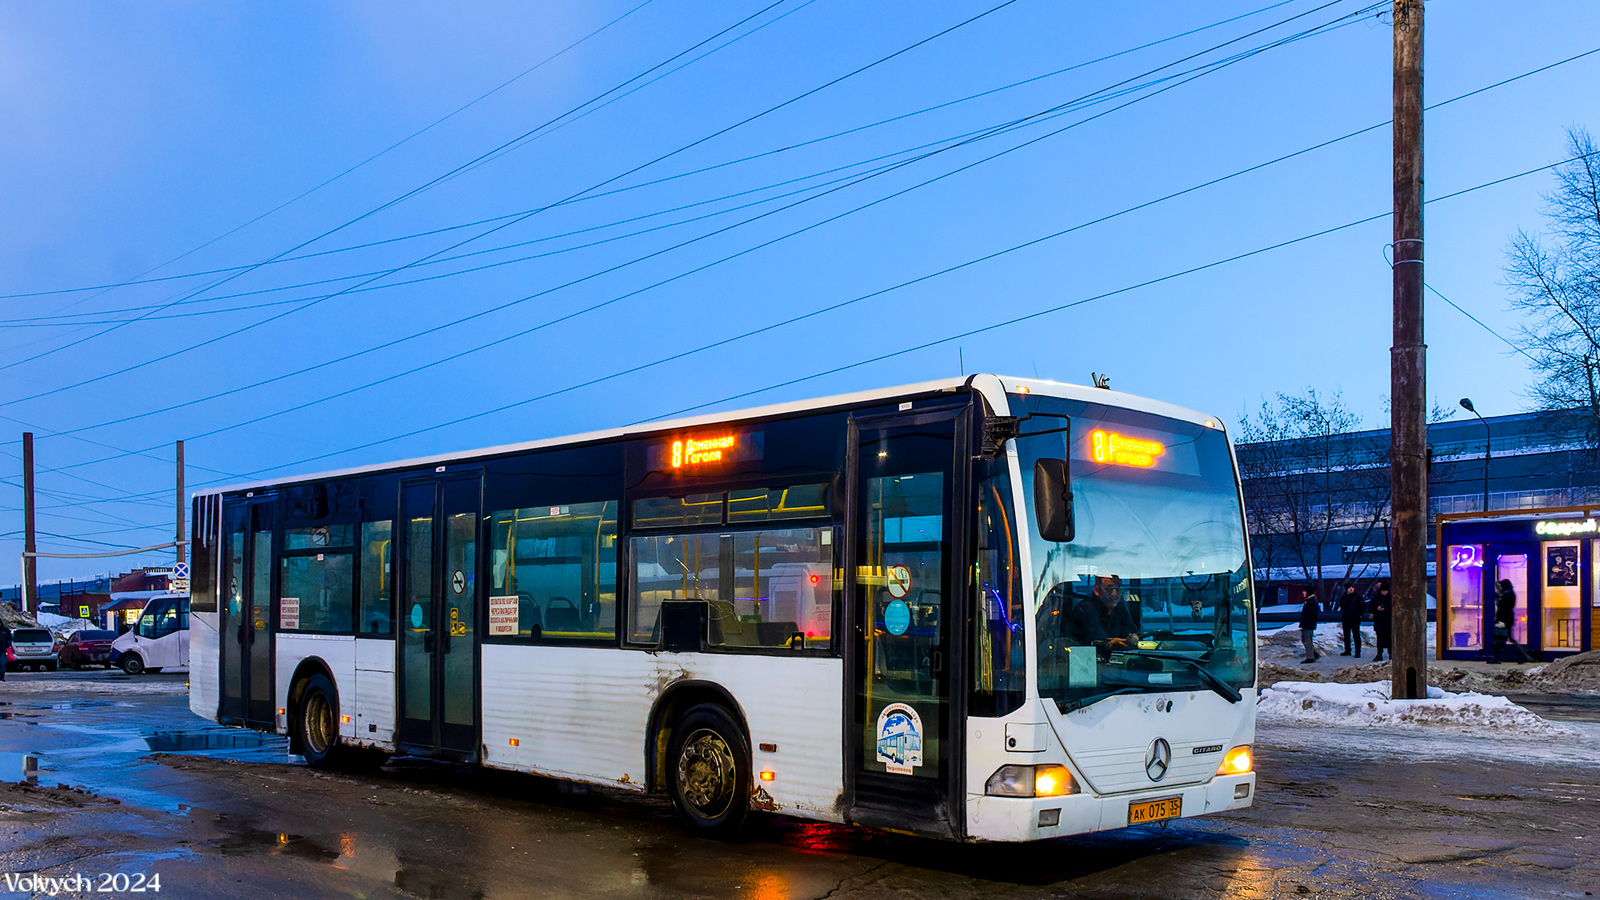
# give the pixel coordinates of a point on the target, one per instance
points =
(905, 764)
(246, 639)
(438, 673)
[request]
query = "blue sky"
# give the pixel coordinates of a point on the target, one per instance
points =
(138, 132)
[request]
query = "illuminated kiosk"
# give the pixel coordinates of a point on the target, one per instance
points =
(1549, 557)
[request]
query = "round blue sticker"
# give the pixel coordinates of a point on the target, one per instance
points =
(416, 615)
(897, 617)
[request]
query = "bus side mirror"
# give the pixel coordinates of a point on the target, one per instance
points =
(1052, 500)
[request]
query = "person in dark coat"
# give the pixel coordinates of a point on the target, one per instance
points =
(1308, 627)
(5, 648)
(1103, 619)
(1382, 609)
(1505, 613)
(1351, 609)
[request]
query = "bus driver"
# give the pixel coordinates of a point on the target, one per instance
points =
(1103, 620)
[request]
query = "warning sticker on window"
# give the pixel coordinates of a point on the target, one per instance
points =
(503, 616)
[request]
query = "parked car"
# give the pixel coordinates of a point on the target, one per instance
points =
(34, 649)
(85, 647)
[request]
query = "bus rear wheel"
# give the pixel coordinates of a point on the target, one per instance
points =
(708, 772)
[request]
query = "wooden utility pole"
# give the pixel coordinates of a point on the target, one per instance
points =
(182, 548)
(1408, 473)
(30, 563)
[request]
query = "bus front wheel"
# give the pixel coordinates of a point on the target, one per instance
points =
(709, 771)
(319, 723)
(132, 663)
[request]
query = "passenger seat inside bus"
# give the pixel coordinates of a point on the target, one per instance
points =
(560, 614)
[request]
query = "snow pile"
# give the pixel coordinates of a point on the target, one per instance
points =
(14, 619)
(1309, 703)
(1579, 672)
(63, 625)
(1283, 644)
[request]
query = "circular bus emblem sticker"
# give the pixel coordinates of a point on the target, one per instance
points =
(416, 615)
(897, 617)
(899, 581)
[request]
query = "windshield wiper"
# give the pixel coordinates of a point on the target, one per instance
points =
(1227, 690)
(1067, 706)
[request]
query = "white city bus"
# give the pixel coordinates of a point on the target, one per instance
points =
(979, 609)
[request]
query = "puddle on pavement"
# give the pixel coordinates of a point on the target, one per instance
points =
(349, 851)
(20, 767)
(181, 741)
(276, 843)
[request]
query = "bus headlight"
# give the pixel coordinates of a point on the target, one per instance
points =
(1030, 781)
(1237, 762)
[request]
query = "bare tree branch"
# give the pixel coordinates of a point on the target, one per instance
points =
(1557, 286)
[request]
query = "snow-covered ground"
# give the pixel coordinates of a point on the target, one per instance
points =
(49, 684)
(1282, 645)
(1368, 705)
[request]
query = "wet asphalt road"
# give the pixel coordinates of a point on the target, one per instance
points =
(130, 782)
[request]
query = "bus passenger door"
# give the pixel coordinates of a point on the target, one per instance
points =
(905, 764)
(246, 642)
(438, 672)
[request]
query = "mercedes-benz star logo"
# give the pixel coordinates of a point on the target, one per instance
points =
(1157, 759)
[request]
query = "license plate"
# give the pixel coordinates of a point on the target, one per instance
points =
(1155, 810)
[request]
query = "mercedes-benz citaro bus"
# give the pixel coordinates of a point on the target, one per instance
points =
(985, 609)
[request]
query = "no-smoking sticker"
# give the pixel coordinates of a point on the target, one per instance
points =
(458, 581)
(899, 581)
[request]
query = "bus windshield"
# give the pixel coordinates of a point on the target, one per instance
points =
(1153, 592)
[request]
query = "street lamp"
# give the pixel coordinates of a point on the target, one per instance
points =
(1466, 404)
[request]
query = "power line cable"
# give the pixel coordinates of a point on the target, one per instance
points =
(140, 279)
(403, 197)
(668, 155)
(944, 340)
(633, 293)
(1066, 306)
(309, 404)
(1229, 260)
(988, 131)
(1508, 342)
(657, 181)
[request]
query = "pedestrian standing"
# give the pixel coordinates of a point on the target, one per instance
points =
(1505, 613)
(1382, 609)
(1308, 627)
(1351, 609)
(5, 649)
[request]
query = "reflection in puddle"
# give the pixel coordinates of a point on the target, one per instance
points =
(26, 765)
(277, 844)
(368, 859)
(174, 741)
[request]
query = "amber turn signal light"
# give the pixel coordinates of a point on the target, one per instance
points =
(1030, 781)
(1237, 762)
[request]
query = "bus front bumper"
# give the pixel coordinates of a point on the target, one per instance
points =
(1029, 818)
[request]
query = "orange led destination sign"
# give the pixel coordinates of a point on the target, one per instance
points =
(1121, 450)
(699, 451)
